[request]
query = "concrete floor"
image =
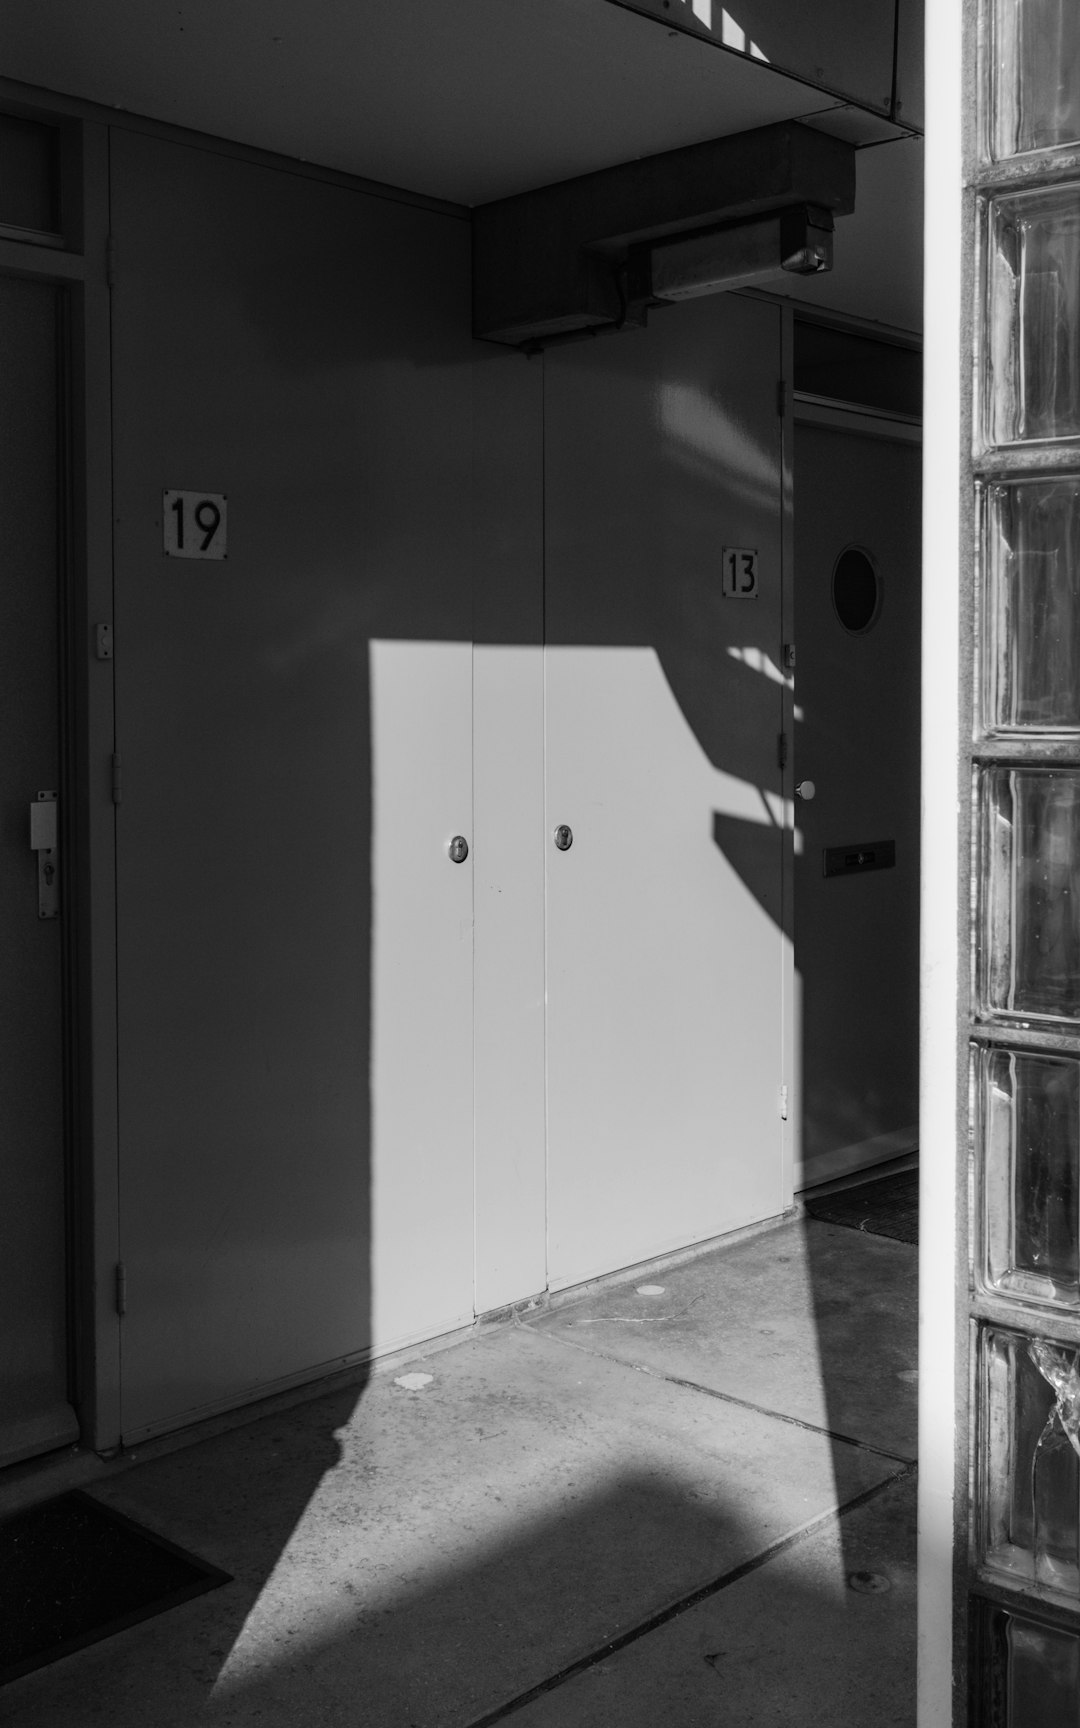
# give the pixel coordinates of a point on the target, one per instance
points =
(640, 1506)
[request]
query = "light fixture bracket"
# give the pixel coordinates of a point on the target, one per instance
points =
(567, 260)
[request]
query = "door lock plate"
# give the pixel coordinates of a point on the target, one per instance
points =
(43, 841)
(865, 855)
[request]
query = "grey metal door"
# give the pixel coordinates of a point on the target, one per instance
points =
(857, 612)
(34, 1412)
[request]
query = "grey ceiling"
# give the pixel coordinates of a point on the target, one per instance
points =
(461, 99)
(470, 100)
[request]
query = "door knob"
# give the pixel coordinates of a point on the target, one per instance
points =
(458, 849)
(805, 790)
(564, 837)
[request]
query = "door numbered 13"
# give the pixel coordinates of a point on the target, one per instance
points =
(740, 573)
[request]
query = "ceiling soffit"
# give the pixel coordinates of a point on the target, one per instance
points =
(470, 102)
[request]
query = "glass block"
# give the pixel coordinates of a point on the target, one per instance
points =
(1031, 562)
(1029, 1673)
(1029, 1462)
(1029, 1129)
(1029, 883)
(1031, 382)
(1035, 75)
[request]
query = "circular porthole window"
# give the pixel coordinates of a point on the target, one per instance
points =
(856, 590)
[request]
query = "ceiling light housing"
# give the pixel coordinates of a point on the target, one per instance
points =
(798, 240)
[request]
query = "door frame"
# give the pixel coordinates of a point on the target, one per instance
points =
(91, 828)
(84, 573)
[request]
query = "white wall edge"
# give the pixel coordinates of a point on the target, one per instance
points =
(942, 710)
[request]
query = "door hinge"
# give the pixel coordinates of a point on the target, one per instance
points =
(110, 261)
(117, 781)
(783, 1103)
(781, 397)
(121, 1287)
(781, 749)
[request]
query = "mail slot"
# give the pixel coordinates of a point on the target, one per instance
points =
(865, 855)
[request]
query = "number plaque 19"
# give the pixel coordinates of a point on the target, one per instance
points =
(194, 525)
(740, 573)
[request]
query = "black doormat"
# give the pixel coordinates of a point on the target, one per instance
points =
(73, 1571)
(887, 1207)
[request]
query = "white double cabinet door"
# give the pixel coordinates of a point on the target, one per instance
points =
(578, 1050)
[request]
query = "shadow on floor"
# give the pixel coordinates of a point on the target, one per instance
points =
(632, 1500)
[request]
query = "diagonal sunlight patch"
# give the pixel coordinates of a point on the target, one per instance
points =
(532, 1527)
(495, 1537)
(759, 661)
(732, 34)
(707, 438)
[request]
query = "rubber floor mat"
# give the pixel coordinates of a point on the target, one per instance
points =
(887, 1207)
(73, 1571)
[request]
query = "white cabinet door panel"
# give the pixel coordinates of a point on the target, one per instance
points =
(664, 701)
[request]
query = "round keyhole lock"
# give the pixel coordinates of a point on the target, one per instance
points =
(459, 849)
(564, 837)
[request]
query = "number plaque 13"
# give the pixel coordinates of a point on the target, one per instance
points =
(194, 525)
(740, 573)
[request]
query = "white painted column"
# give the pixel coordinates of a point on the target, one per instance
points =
(941, 915)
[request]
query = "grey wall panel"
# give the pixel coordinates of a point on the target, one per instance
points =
(301, 348)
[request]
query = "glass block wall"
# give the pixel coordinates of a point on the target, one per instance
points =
(1024, 1530)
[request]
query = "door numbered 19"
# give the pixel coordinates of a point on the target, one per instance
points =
(194, 525)
(740, 573)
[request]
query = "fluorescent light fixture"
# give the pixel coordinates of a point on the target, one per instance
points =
(798, 240)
